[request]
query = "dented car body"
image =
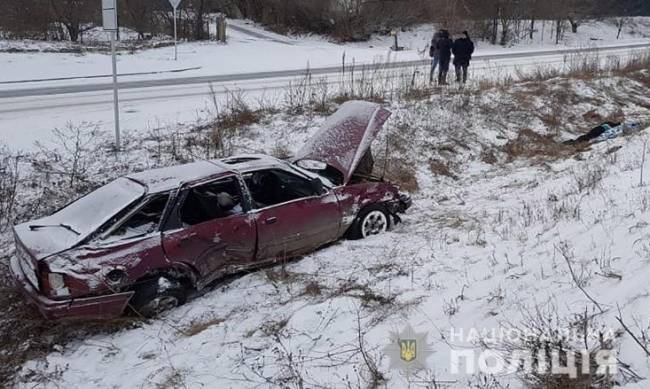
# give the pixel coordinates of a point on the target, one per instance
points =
(147, 240)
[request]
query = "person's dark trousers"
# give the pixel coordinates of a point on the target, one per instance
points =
(434, 64)
(442, 74)
(461, 72)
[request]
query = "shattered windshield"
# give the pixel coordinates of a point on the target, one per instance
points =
(88, 213)
(313, 174)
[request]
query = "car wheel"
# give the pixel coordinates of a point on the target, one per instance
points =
(372, 220)
(158, 295)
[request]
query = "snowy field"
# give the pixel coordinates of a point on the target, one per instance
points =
(506, 228)
(25, 120)
(500, 213)
(245, 53)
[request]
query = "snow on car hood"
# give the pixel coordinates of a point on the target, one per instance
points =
(76, 221)
(345, 136)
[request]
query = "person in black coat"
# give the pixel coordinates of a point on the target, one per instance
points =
(463, 49)
(444, 47)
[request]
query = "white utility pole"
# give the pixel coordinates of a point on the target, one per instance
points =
(109, 15)
(174, 4)
(116, 105)
(175, 38)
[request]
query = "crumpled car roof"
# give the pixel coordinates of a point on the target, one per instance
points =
(169, 178)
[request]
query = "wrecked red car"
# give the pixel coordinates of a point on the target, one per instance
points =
(149, 240)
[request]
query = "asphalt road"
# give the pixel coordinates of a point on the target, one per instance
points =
(261, 76)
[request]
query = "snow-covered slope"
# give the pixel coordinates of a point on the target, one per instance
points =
(498, 219)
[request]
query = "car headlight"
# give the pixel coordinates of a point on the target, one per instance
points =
(56, 282)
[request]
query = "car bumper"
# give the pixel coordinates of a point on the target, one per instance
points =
(399, 205)
(111, 305)
(405, 203)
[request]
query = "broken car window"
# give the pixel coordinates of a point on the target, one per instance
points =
(144, 221)
(271, 187)
(212, 201)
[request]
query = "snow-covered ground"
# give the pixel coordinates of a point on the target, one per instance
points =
(27, 119)
(487, 244)
(246, 53)
(497, 220)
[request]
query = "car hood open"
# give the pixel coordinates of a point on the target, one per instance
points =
(345, 137)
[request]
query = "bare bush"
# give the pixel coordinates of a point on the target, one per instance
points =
(530, 144)
(639, 61)
(583, 66)
(64, 167)
(9, 176)
(588, 177)
(398, 171)
(281, 151)
(543, 345)
(230, 119)
(442, 168)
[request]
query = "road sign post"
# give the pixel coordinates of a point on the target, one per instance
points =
(109, 14)
(116, 104)
(174, 4)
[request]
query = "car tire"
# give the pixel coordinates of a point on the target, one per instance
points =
(372, 220)
(157, 295)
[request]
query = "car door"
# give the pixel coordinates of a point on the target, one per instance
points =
(298, 222)
(206, 235)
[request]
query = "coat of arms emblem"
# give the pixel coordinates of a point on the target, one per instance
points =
(408, 349)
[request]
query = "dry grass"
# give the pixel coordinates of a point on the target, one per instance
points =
(368, 297)
(281, 275)
(529, 144)
(313, 288)
(24, 335)
(238, 118)
(273, 327)
(489, 157)
(342, 98)
(592, 116)
(175, 379)
(540, 335)
(399, 172)
(441, 168)
(584, 66)
(417, 93)
(640, 62)
(200, 325)
(281, 151)
(235, 112)
(538, 75)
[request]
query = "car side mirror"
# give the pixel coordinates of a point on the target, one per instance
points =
(317, 185)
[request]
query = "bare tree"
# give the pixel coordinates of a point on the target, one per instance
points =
(25, 18)
(532, 9)
(140, 15)
(77, 16)
(578, 11)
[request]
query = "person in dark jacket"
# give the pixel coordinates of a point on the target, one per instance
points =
(444, 47)
(434, 53)
(463, 49)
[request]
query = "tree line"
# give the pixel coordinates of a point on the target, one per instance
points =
(497, 21)
(70, 19)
